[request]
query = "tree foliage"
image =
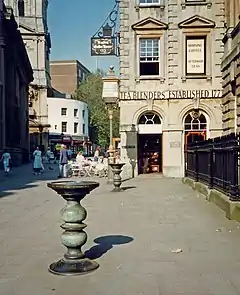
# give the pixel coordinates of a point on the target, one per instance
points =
(90, 92)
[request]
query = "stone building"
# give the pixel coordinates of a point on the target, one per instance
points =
(170, 80)
(15, 75)
(66, 75)
(231, 68)
(31, 16)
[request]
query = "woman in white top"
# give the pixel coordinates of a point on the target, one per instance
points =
(80, 160)
(6, 157)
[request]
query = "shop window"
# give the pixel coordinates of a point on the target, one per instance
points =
(63, 111)
(149, 118)
(195, 121)
(195, 55)
(21, 7)
(75, 128)
(64, 126)
(149, 57)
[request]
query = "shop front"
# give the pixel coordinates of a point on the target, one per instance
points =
(156, 127)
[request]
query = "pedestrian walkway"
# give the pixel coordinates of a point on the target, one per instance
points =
(155, 238)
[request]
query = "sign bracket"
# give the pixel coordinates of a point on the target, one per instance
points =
(105, 41)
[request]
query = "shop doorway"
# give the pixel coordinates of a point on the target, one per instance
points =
(149, 153)
(149, 143)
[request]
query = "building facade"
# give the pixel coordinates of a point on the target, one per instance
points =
(231, 68)
(69, 121)
(170, 80)
(15, 75)
(66, 75)
(31, 16)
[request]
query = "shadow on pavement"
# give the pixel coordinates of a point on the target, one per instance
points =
(125, 188)
(106, 243)
(22, 178)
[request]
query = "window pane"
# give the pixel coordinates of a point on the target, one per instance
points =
(149, 50)
(149, 69)
(149, 1)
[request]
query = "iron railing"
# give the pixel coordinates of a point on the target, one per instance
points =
(214, 162)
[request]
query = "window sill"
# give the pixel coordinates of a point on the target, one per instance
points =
(194, 3)
(153, 78)
(149, 5)
(188, 77)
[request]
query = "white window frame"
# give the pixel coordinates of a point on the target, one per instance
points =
(159, 55)
(150, 4)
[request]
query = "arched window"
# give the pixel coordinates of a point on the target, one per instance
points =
(195, 121)
(149, 118)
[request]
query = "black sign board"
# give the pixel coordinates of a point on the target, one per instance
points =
(103, 46)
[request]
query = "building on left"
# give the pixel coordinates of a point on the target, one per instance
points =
(15, 75)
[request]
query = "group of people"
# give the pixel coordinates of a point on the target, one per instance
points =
(38, 167)
(65, 156)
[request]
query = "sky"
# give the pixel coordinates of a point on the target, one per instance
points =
(72, 24)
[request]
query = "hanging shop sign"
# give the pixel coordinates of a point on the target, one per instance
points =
(105, 40)
(103, 46)
(170, 94)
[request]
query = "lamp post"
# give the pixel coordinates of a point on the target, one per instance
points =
(40, 127)
(110, 95)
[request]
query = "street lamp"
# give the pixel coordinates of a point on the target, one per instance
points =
(40, 127)
(110, 95)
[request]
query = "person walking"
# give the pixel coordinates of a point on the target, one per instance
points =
(6, 158)
(48, 155)
(63, 162)
(37, 162)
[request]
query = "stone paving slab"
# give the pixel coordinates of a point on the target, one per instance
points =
(153, 216)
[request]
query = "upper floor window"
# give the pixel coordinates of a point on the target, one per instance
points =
(196, 55)
(83, 113)
(83, 129)
(21, 11)
(64, 126)
(149, 57)
(75, 127)
(149, 2)
(63, 111)
(75, 112)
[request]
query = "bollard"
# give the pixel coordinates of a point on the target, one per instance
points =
(74, 237)
(117, 180)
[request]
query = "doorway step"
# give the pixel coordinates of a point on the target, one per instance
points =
(150, 175)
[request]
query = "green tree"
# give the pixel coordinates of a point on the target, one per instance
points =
(90, 92)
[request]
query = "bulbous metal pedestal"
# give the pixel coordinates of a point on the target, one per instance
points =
(117, 180)
(74, 237)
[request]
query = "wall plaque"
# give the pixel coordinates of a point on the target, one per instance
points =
(175, 144)
(195, 57)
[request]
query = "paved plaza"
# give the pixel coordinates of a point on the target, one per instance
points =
(140, 234)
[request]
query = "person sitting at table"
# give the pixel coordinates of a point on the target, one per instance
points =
(80, 159)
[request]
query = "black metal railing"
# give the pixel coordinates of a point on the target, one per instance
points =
(214, 162)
